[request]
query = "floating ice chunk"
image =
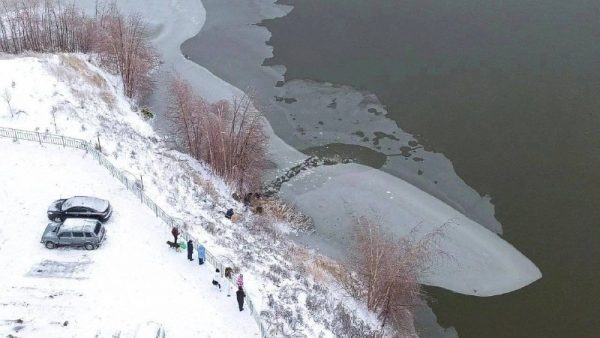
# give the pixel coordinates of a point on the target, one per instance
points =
(481, 263)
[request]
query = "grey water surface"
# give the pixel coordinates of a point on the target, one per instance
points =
(319, 117)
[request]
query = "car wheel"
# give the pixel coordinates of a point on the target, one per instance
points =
(89, 246)
(50, 245)
(58, 219)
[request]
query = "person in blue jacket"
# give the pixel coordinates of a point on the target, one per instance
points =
(201, 254)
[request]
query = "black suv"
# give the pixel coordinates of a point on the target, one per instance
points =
(80, 207)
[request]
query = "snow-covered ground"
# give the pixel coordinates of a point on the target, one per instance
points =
(133, 278)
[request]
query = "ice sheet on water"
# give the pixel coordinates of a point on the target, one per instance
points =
(324, 113)
(481, 263)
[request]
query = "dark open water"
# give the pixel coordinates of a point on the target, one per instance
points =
(509, 91)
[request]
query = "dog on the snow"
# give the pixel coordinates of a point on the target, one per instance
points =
(173, 245)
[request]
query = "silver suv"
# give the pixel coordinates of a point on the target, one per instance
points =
(81, 232)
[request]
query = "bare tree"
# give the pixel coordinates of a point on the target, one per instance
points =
(44, 26)
(387, 271)
(8, 98)
(123, 44)
(229, 137)
(53, 113)
(186, 113)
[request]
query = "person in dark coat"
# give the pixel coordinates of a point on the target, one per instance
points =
(175, 233)
(229, 213)
(240, 294)
(190, 249)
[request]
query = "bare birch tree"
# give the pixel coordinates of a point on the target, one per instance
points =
(229, 137)
(387, 271)
(123, 44)
(7, 96)
(186, 113)
(44, 26)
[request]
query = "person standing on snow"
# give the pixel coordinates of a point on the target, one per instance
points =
(175, 233)
(217, 279)
(240, 294)
(190, 250)
(228, 274)
(201, 253)
(229, 289)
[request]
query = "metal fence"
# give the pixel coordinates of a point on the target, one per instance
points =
(132, 186)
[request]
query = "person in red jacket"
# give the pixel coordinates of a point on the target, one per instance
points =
(175, 233)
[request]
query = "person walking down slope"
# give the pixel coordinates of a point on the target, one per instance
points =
(217, 279)
(240, 294)
(175, 233)
(190, 250)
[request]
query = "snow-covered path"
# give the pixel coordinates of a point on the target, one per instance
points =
(133, 278)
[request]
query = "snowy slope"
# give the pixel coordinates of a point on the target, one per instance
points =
(133, 278)
(67, 95)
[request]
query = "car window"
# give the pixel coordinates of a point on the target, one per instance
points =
(76, 209)
(64, 234)
(77, 234)
(97, 228)
(65, 205)
(87, 234)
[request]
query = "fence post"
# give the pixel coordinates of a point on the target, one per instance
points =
(63, 140)
(39, 137)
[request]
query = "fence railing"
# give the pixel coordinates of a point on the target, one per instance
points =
(132, 186)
